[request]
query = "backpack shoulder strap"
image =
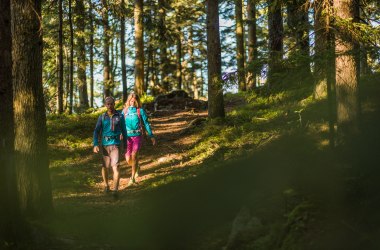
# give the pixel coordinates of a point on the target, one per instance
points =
(140, 120)
(103, 117)
(138, 113)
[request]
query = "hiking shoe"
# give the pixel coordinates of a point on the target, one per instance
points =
(131, 182)
(107, 189)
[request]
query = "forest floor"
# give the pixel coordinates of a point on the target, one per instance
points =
(275, 188)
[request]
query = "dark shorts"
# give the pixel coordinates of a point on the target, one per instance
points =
(110, 156)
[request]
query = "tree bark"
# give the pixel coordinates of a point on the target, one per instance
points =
(215, 90)
(298, 24)
(347, 87)
(122, 51)
(240, 58)
(91, 15)
(71, 74)
(106, 51)
(81, 71)
(324, 63)
(276, 37)
(9, 210)
(139, 47)
(163, 45)
(179, 58)
(252, 45)
(32, 165)
(193, 76)
(60, 59)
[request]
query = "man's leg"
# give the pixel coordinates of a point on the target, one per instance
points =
(105, 178)
(114, 154)
(106, 165)
(116, 177)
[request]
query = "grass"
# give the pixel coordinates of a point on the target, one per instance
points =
(269, 154)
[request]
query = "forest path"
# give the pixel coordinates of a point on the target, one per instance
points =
(86, 214)
(156, 162)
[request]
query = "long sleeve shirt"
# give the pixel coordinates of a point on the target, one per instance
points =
(134, 123)
(110, 128)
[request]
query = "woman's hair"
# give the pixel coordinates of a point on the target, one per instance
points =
(137, 103)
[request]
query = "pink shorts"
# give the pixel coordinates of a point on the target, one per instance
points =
(133, 145)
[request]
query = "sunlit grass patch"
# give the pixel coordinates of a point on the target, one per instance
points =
(166, 180)
(73, 178)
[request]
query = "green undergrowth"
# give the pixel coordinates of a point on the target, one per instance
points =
(291, 181)
(252, 124)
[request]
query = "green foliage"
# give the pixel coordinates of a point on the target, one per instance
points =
(254, 120)
(70, 148)
(147, 98)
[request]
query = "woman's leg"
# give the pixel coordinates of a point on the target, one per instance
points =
(137, 172)
(133, 158)
(133, 168)
(133, 163)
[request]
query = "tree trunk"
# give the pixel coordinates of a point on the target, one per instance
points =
(106, 51)
(60, 59)
(32, 165)
(9, 210)
(240, 58)
(139, 47)
(163, 45)
(193, 76)
(91, 54)
(148, 66)
(202, 81)
(71, 65)
(67, 79)
(276, 37)
(347, 87)
(363, 54)
(215, 90)
(179, 59)
(252, 45)
(81, 71)
(122, 51)
(114, 62)
(322, 29)
(324, 63)
(71, 74)
(298, 24)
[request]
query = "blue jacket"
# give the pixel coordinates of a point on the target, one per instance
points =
(110, 129)
(133, 124)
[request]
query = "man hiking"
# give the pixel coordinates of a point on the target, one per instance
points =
(110, 126)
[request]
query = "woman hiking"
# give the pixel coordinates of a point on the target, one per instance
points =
(136, 121)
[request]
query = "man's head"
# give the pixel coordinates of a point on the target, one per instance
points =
(109, 102)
